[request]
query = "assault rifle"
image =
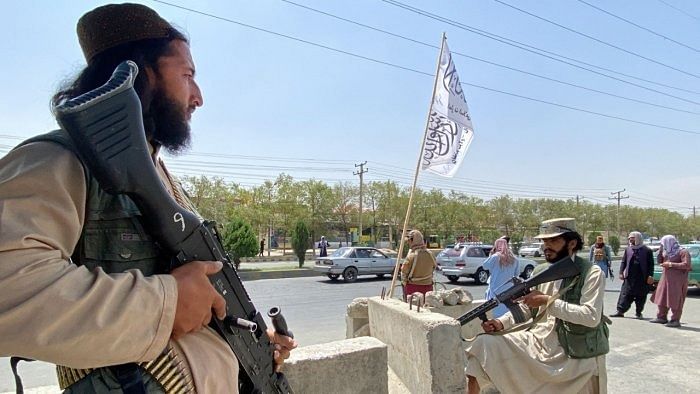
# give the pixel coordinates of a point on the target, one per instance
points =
(563, 268)
(107, 128)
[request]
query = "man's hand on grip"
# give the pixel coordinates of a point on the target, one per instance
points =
(282, 346)
(196, 297)
(492, 325)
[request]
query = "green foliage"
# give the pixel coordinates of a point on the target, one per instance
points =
(614, 242)
(592, 237)
(239, 240)
(300, 241)
(331, 209)
(516, 241)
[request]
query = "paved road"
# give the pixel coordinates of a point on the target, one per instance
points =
(644, 357)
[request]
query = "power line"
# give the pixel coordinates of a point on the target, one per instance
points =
(679, 10)
(597, 39)
(638, 26)
(539, 51)
(486, 61)
(432, 75)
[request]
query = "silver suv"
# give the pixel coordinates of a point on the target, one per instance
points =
(466, 259)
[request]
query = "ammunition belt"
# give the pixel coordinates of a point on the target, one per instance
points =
(167, 369)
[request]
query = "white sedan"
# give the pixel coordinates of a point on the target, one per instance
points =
(353, 261)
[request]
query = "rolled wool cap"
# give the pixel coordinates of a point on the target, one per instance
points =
(111, 25)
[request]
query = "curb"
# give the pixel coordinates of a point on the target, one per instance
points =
(295, 273)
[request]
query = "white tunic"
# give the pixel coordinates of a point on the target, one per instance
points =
(533, 361)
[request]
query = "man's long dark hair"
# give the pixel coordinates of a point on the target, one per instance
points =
(145, 53)
(568, 236)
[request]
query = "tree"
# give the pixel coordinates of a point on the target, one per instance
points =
(239, 240)
(300, 241)
(614, 243)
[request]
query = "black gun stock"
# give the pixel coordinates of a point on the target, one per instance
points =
(563, 268)
(107, 127)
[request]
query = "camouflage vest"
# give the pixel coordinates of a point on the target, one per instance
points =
(599, 254)
(577, 340)
(113, 236)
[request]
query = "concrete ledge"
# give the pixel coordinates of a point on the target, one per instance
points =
(356, 365)
(424, 348)
(470, 329)
(292, 273)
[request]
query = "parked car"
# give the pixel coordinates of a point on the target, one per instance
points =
(466, 260)
(534, 250)
(350, 262)
(693, 275)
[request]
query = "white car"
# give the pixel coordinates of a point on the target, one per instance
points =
(466, 260)
(353, 261)
(534, 250)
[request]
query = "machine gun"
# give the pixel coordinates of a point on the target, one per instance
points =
(563, 268)
(107, 127)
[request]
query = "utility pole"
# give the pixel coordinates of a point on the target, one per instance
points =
(618, 198)
(360, 173)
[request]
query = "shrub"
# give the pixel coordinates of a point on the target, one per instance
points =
(300, 241)
(614, 242)
(592, 237)
(239, 240)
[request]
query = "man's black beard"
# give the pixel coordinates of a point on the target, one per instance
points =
(563, 252)
(168, 126)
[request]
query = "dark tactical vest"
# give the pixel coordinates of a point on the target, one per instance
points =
(113, 236)
(577, 340)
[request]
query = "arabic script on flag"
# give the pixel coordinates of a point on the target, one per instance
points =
(450, 129)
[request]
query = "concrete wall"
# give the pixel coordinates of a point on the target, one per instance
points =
(356, 365)
(424, 348)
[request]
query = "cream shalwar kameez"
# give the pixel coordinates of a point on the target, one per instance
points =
(55, 311)
(532, 361)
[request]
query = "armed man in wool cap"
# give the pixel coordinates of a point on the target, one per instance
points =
(562, 348)
(82, 283)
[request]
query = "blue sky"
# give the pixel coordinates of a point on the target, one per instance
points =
(275, 104)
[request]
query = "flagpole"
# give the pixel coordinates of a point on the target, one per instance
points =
(415, 177)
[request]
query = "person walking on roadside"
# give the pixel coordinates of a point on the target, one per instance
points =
(673, 285)
(600, 254)
(636, 270)
(418, 268)
(262, 247)
(323, 247)
(502, 266)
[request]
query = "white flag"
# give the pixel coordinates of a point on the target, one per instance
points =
(450, 129)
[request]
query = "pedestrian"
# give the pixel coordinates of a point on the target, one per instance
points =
(418, 268)
(323, 247)
(83, 284)
(262, 247)
(601, 254)
(673, 285)
(561, 350)
(636, 273)
(502, 267)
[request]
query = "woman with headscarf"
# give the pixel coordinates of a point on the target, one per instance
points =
(323, 247)
(636, 270)
(417, 270)
(502, 266)
(670, 292)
